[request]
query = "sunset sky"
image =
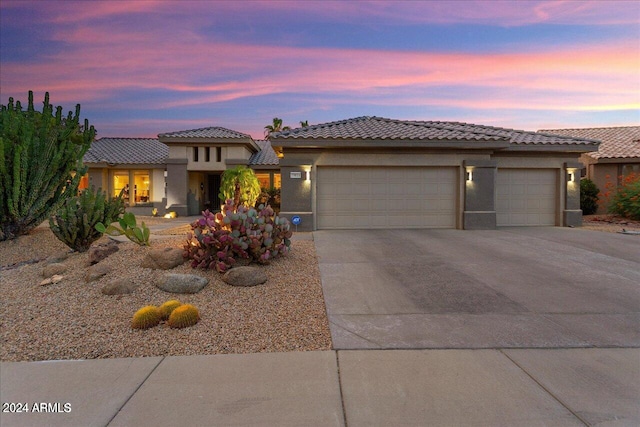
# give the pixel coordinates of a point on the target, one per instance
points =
(139, 68)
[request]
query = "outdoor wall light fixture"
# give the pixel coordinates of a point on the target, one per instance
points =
(469, 175)
(308, 176)
(571, 176)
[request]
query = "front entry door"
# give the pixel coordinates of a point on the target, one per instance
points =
(213, 201)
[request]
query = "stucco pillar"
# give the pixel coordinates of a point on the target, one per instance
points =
(572, 215)
(177, 186)
(297, 180)
(479, 195)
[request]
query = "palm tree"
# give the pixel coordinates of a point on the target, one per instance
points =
(304, 124)
(275, 127)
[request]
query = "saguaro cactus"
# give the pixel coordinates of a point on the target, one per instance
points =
(40, 163)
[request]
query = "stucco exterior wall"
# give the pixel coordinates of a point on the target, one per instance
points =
(157, 185)
(475, 199)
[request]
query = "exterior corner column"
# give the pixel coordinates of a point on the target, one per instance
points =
(177, 181)
(296, 192)
(479, 195)
(571, 214)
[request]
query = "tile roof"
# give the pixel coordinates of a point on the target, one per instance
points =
(374, 128)
(210, 132)
(151, 151)
(127, 151)
(616, 142)
(266, 156)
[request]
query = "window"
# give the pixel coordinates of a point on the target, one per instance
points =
(195, 154)
(207, 154)
(264, 179)
(141, 186)
(218, 154)
(121, 183)
(268, 179)
(630, 169)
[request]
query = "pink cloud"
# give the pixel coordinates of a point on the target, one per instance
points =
(208, 72)
(502, 13)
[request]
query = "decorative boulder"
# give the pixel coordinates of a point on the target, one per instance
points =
(100, 251)
(245, 276)
(53, 269)
(119, 287)
(96, 271)
(182, 283)
(163, 259)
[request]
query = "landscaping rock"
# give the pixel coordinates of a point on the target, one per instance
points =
(119, 287)
(245, 276)
(182, 283)
(98, 252)
(96, 271)
(57, 258)
(53, 269)
(51, 280)
(163, 259)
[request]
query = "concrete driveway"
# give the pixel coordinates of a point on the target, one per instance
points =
(509, 288)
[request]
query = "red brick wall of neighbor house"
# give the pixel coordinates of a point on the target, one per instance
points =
(600, 174)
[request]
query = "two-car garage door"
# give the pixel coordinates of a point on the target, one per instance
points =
(386, 197)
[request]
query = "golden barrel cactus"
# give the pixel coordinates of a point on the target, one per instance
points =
(146, 317)
(167, 308)
(184, 316)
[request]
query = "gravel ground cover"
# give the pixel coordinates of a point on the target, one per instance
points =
(609, 223)
(72, 319)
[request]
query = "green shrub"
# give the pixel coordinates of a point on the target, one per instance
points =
(40, 163)
(271, 197)
(588, 197)
(218, 239)
(75, 222)
(241, 185)
(129, 228)
(626, 201)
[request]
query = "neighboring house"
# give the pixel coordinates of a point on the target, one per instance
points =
(372, 172)
(178, 171)
(617, 156)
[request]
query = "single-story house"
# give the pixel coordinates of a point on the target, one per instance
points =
(617, 156)
(178, 171)
(365, 172)
(373, 172)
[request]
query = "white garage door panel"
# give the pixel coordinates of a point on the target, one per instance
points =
(526, 197)
(378, 197)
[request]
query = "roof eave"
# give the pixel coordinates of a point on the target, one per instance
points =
(390, 143)
(567, 148)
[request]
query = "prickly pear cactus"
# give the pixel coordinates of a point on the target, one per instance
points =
(167, 308)
(216, 241)
(146, 317)
(184, 316)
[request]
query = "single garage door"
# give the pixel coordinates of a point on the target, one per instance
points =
(526, 197)
(386, 197)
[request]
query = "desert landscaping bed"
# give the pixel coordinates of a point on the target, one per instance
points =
(610, 223)
(72, 319)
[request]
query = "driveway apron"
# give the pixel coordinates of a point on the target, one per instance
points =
(542, 287)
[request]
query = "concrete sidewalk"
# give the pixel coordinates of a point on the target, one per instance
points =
(333, 388)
